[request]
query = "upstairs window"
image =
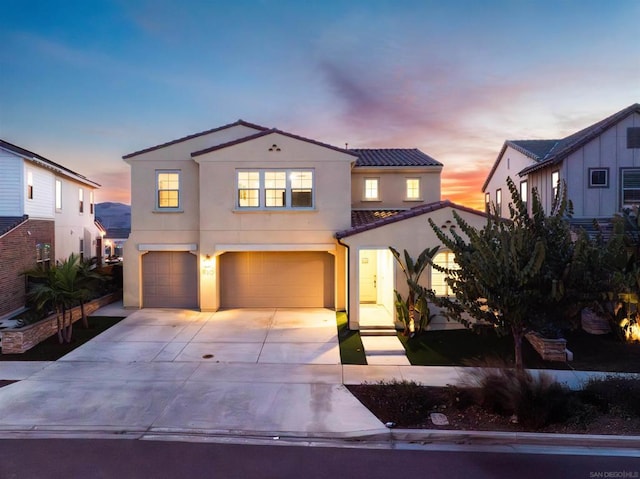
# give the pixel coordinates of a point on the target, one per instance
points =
(630, 187)
(499, 202)
(598, 177)
(524, 192)
(58, 195)
(168, 190)
(30, 185)
(487, 202)
(275, 189)
(633, 137)
(413, 189)
(81, 200)
(555, 182)
(371, 189)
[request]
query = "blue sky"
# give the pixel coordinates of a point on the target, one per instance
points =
(85, 82)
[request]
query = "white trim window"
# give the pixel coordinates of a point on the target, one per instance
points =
(487, 202)
(168, 190)
(630, 186)
(29, 185)
(524, 192)
(80, 200)
(58, 195)
(444, 259)
(499, 202)
(555, 182)
(275, 189)
(91, 204)
(412, 192)
(598, 177)
(372, 189)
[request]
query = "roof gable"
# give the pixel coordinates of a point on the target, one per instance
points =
(393, 157)
(38, 159)
(196, 135)
(268, 132)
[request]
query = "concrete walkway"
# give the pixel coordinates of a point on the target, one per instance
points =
(151, 375)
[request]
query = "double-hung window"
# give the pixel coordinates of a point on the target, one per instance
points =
(371, 189)
(168, 190)
(413, 189)
(439, 285)
(630, 187)
(275, 189)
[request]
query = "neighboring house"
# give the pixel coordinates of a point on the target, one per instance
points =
(599, 164)
(245, 216)
(46, 213)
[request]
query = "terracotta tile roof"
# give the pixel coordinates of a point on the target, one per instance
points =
(393, 157)
(365, 217)
(195, 135)
(7, 223)
(270, 131)
(30, 155)
(403, 215)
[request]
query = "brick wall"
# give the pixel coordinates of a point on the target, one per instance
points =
(17, 254)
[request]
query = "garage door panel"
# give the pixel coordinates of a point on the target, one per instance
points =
(276, 279)
(169, 280)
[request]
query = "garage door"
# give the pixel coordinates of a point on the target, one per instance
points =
(169, 280)
(276, 279)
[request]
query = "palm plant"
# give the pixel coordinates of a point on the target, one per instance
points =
(416, 299)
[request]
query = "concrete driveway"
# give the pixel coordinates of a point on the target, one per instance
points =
(281, 336)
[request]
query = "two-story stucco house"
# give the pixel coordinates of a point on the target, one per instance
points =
(599, 164)
(246, 216)
(46, 213)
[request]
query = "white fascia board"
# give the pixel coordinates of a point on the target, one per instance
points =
(167, 247)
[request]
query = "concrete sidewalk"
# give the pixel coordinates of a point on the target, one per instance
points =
(91, 393)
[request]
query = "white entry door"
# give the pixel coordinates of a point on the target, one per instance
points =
(368, 276)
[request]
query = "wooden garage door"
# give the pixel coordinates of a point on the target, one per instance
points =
(276, 279)
(169, 280)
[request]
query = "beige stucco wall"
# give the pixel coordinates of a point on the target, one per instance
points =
(413, 234)
(392, 184)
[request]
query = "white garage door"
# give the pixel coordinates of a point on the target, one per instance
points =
(276, 279)
(169, 280)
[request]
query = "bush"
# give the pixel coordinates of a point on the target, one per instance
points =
(617, 394)
(408, 399)
(535, 401)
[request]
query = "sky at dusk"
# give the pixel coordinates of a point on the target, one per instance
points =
(85, 82)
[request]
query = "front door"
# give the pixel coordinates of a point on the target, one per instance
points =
(368, 276)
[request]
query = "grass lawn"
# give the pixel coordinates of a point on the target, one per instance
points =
(464, 348)
(351, 349)
(51, 350)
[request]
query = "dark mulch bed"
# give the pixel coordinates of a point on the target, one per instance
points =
(410, 407)
(51, 350)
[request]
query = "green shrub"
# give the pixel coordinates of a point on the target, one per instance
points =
(617, 394)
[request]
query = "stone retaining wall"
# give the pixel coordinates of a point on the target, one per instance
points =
(19, 340)
(548, 349)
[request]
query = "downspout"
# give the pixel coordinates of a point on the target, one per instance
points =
(348, 278)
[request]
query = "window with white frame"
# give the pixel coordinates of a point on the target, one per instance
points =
(91, 207)
(499, 202)
(555, 182)
(630, 186)
(598, 177)
(168, 190)
(487, 202)
(81, 200)
(58, 195)
(524, 192)
(275, 189)
(372, 189)
(30, 185)
(413, 189)
(446, 260)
